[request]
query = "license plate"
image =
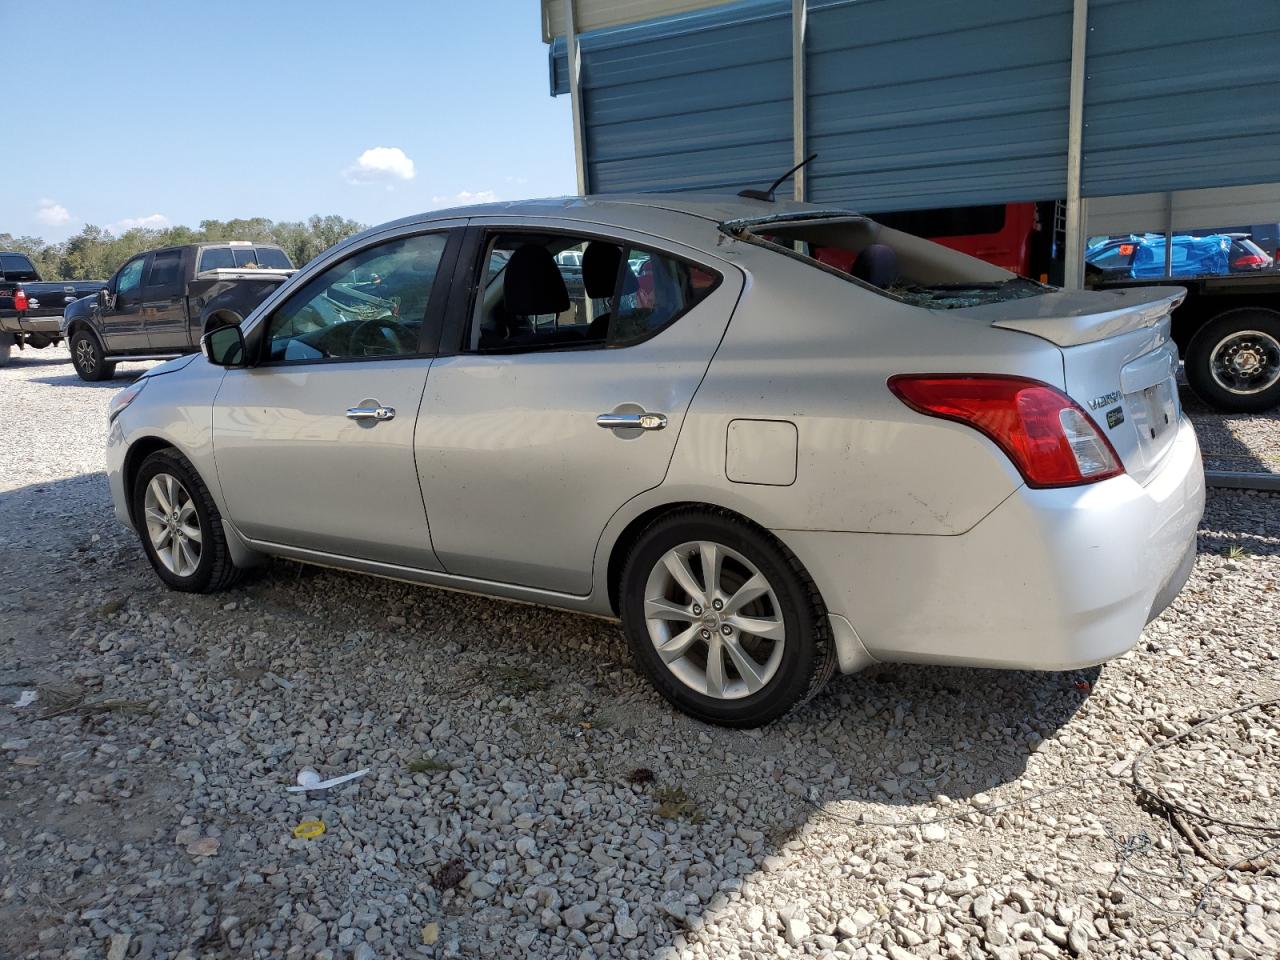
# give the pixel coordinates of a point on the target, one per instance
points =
(1156, 412)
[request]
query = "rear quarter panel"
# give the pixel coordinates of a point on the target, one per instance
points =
(816, 350)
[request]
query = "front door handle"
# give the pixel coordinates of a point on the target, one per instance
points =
(632, 421)
(371, 413)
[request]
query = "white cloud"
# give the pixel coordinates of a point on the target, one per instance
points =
(380, 165)
(466, 197)
(154, 221)
(52, 214)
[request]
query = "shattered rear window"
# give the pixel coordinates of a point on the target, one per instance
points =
(954, 297)
(889, 262)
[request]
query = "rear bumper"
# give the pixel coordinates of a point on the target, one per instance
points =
(1049, 580)
(15, 324)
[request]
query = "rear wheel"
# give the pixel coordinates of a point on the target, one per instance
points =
(86, 355)
(7, 340)
(723, 619)
(1233, 361)
(180, 527)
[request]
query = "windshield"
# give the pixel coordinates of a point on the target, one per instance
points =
(890, 262)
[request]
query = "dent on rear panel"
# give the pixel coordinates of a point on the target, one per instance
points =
(761, 452)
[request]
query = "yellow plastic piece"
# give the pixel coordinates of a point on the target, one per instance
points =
(308, 829)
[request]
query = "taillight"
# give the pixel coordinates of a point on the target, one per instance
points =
(20, 299)
(1249, 260)
(1046, 434)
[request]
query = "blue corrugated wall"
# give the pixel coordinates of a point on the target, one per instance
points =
(695, 102)
(929, 103)
(939, 103)
(1181, 95)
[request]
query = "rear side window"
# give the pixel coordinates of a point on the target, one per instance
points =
(216, 258)
(17, 267)
(559, 291)
(165, 269)
(273, 258)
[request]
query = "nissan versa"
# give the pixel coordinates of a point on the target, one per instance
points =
(774, 439)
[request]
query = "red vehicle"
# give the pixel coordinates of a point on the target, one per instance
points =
(1010, 235)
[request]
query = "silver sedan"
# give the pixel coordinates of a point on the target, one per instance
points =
(774, 440)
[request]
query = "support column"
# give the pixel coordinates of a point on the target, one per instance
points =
(799, 22)
(1073, 255)
(574, 61)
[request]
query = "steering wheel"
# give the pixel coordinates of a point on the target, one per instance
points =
(395, 338)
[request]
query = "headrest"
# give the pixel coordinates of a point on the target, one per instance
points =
(600, 269)
(877, 265)
(532, 284)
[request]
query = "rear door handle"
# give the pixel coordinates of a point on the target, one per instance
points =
(632, 421)
(371, 413)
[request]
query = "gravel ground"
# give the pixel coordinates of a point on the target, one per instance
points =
(1245, 442)
(529, 795)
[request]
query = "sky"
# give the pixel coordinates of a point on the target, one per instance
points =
(141, 112)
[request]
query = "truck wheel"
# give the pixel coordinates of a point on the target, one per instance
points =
(1233, 361)
(6, 345)
(87, 357)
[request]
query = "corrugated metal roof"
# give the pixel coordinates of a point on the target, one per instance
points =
(600, 14)
(1181, 94)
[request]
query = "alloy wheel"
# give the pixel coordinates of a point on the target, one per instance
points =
(1246, 362)
(173, 526)
(86, 356)
(714, 620)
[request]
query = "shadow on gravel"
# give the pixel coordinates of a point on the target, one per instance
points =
(483, 722)
(1221, 448)
(72, 379)
(32, 358)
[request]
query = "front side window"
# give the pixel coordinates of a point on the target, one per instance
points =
(372, 304)
(130, 277)
(558, 291)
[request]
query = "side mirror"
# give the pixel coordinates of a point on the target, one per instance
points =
(224, 347)
(106, 299)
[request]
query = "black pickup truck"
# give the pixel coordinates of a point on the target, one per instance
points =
(160, 303)
(30, 309)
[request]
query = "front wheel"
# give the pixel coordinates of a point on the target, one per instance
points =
(88, 359)
(180, 527)
(1233, 361)
(723, 620)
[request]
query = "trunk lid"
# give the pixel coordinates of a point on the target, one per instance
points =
(1118, 359)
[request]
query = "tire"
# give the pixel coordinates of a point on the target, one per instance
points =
(87, 358)
(167, 488)
(783, 674)
(1233, 361)
(7, 341)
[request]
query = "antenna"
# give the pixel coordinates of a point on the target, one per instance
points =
(768, 194)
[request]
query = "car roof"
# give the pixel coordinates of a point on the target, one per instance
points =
(622, 209)
(655, 213)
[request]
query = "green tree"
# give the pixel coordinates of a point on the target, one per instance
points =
(95, 253)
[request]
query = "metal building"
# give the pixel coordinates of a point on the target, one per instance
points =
(1141, 114)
